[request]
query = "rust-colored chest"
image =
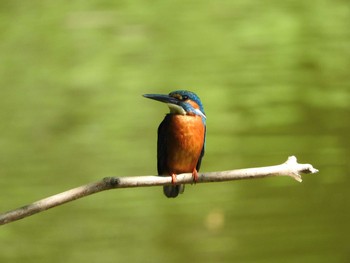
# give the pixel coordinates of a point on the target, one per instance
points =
(185, 141)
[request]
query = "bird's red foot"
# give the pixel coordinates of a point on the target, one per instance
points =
(173, 179)
(195, 175)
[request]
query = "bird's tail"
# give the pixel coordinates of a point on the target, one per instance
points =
(172, 191)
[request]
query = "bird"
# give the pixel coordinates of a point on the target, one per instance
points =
(181, 138)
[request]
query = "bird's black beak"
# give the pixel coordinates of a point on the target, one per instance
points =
(162, 98)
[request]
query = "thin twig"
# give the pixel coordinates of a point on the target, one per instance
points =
(290, 168)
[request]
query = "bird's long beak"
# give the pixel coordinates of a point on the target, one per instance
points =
(162, 98)
(173, 103)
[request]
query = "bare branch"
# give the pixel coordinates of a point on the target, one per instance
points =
(290, 168)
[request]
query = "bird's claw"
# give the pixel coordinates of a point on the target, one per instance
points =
(195, 176)
(173, 179)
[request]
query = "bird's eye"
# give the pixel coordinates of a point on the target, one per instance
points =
(184, 97)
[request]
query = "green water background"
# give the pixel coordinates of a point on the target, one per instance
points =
(274, 79)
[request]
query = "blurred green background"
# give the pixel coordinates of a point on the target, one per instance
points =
(274, 79)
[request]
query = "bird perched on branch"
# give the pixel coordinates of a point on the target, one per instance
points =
(181, 137)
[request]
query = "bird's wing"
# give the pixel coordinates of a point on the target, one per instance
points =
(162, 146)
(202, 152)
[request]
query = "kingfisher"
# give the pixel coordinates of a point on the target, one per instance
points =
(181, 137)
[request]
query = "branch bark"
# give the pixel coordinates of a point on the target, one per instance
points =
(290, 168)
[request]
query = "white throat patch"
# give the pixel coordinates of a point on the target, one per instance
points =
(176, 109)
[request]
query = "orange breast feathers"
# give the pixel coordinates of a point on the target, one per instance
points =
(185, 143)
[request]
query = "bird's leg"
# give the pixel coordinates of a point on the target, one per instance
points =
(173, 179)
(195, 175)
